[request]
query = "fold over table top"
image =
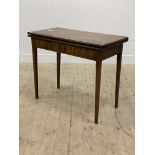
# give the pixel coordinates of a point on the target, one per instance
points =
(79, 37)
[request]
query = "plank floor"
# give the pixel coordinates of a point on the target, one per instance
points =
(61, 122)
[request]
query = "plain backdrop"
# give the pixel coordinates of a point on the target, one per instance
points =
(105, 16)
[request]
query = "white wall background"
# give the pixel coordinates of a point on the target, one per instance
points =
(105, 16)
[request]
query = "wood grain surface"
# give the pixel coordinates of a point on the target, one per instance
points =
(80, 37)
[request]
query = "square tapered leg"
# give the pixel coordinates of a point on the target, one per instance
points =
(35, 69)
(118, 72)
(97, 88)
(58, 69)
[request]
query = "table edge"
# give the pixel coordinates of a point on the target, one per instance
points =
(78, 42)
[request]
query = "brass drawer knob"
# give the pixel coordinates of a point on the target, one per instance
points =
(62, 48)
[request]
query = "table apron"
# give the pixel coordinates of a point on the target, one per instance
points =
(83, 52)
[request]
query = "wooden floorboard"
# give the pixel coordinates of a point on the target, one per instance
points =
(61, 122)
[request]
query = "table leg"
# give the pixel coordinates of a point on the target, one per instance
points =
(97, 88)
(58, 69)
(118, 72)
(35, 69)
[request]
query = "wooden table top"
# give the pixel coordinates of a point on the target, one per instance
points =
(79, 37)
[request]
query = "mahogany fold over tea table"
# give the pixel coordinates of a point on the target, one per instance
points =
(89, 45)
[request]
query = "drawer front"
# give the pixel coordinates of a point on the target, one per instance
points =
(66, 48)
